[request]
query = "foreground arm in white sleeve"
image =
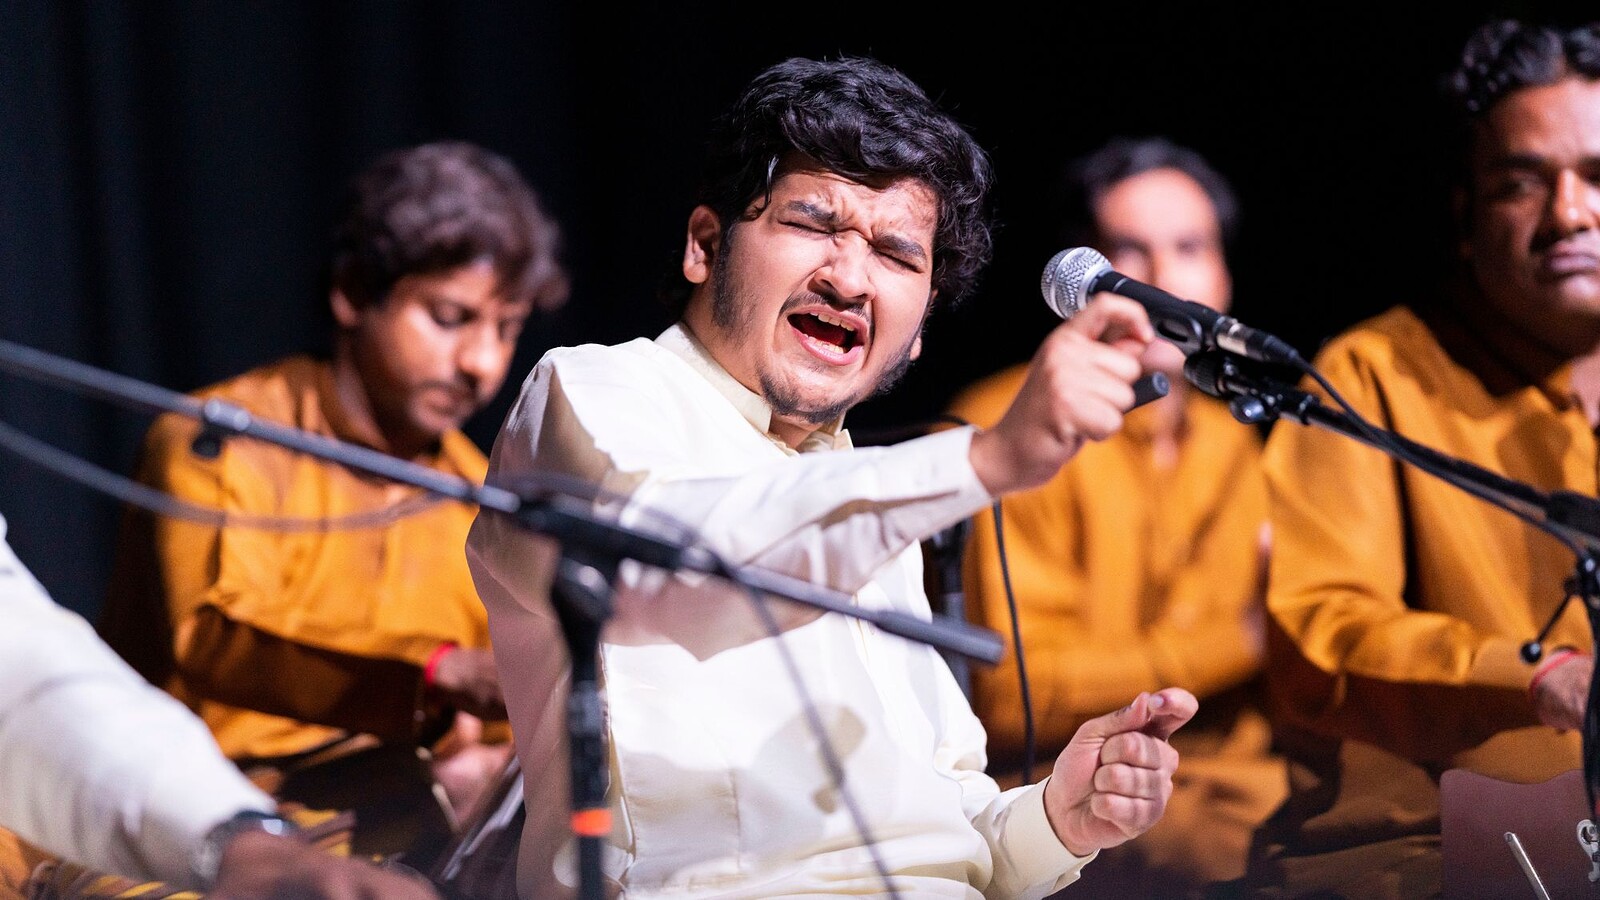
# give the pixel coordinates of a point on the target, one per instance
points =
(102, 769)
(96, 765)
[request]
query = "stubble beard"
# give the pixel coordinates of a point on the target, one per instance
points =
(733, 317)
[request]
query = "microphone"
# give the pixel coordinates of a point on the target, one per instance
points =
(1073, 275)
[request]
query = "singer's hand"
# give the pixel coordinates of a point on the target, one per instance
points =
(1113, 781)
(1078, 386)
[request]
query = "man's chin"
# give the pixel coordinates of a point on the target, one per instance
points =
(428, 428)
(810, 408)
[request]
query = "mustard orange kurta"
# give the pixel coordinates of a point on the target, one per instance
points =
(282, 640)
(1130, 576)
(1399, 602)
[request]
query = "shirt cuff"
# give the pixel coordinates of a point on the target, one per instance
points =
(1030, 849)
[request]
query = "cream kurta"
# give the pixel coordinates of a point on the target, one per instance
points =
(717, 781)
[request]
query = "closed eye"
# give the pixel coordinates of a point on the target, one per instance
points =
(449, 315)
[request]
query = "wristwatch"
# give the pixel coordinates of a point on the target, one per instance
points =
(208, 857)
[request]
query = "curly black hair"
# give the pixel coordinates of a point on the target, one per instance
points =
(1503, 55)
(867, 121)
(433, 207)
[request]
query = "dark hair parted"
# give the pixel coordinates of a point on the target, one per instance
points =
(434, 207)
(866, 121)
(1503, 55)
(1088, 179)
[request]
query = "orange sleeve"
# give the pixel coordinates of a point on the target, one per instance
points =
(231, 662)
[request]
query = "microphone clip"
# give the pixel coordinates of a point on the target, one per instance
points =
(1253, 395)
(218, 420)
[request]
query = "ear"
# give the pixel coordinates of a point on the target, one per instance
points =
(703, 240)
(345, 313)
(916, 342)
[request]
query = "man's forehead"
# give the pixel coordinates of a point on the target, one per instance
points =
(1559, 117)
(476, 284)
(905, 204)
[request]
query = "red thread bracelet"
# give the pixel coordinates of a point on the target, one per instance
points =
(1556, 660)
(431, 667)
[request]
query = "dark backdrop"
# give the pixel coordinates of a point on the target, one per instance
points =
(167, 171)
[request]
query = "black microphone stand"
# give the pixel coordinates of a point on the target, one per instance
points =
(1255, 396)
(592, 550)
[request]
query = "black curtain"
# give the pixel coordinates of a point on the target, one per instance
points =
(168, 171)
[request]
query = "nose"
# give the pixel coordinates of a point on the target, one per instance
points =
(1158, 272)
(845, 271)
(482, 357)
(1575, 203)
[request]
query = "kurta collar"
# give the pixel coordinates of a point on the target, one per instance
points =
(1504, 359)
(751, 405)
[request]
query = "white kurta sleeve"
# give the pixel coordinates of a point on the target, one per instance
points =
(96, 765)
(669, 447)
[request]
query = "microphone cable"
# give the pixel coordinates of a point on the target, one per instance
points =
(1024, 691)
(1388, 440)
(671, 529)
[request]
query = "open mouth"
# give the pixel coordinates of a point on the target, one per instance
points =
(827, 333)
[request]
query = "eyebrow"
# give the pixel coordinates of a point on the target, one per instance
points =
(894, 243)
(1534, 161)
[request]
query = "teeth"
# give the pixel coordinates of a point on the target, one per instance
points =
(835, 349)
(832, 319)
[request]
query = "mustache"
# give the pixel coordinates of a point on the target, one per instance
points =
(814, 298)
(460, 386)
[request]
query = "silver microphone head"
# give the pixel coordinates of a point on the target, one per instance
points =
(1066, 279)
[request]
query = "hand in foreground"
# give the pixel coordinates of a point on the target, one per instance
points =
(1113, 780)
(465, 678)
(1562, 693)
(465, 766)
(259, 866)
(1079, 384)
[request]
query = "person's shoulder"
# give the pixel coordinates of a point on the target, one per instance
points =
(595, 354)
(273, 389)
(277, 390)
(984, 401)
(639, 363)
(1395, 339)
